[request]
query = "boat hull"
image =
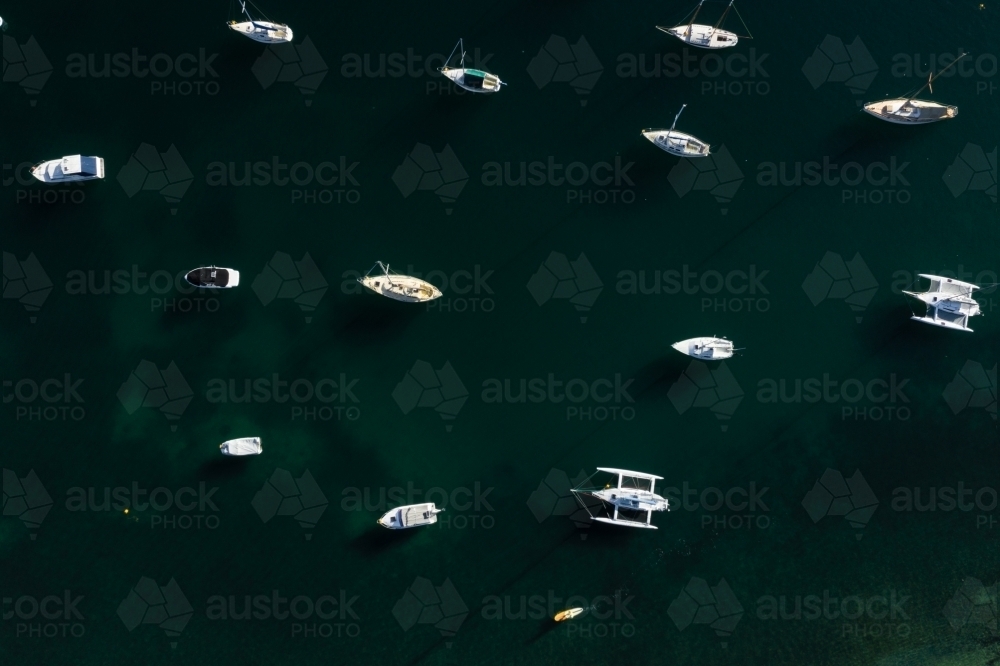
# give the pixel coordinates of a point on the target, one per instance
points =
(245, 446)
(457, 75)
(703, 36)
(52, 173)
(700, 348)
(203, 278)
(412, 515)
(402, 288)
(917, 112)
(677, 143)
(271, 33)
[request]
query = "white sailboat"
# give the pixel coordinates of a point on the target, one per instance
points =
(71, 168)
(911, 111)
(677, 143)
(949, 302)
(706, 349)
(213, 277)
(265, 32)
(473, 80)
(246, 446)
(399, 287)
(412, 515)
(704, 36)
(628, 500)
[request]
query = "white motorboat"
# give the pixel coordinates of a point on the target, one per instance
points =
(677, 143)
(246, 446)
(912, 111)
(473, 80)
(213, 277)
(704, 36)
(629, 500)
(412, 515)
(71, 168)
(265, 32)
(706, 349)
(399, 287)
(949, 302)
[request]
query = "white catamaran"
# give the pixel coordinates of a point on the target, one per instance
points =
(399, 287)
(949, 302)
(265, 32)
(911, 111)
(71, 168)
(628, 500)
(705, 36)
(677, 143)
(706, 349)
(473, 80)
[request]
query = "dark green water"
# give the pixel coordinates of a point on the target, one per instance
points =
(936, 432)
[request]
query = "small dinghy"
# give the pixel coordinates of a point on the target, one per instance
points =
(247, 446)
(473, 80)
(706, 349)
(569, 614)
(399, 287)
(949, 302)
(69, 169)
(912, 111)
(413, 515)
(213, 277)
(677, 143)
(265, 32)
(705, 36)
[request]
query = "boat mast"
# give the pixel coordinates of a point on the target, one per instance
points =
(694, 16)
(723, 17)
(677, 116)
(931, 78)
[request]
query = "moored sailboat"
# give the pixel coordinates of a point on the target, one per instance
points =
(912, 111)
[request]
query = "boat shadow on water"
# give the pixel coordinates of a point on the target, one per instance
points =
(222, 468)
(378, 539)
(375, 321)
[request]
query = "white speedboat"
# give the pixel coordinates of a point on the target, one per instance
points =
(677, 143)
(213, 277)
(949, 302)
(706, 349)
(412, 515)
(703, 36)
(399, 287)
(71, 168)
(473, 80)
(265, 32)
(912, 111)
(627, 498)
(246, 446)
(3, 25)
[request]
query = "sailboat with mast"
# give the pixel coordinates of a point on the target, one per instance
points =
(912, 111)
(466, 78)
(404, 288)
(677, 143)
(705, 36)
(949, 302)
(265, 32)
